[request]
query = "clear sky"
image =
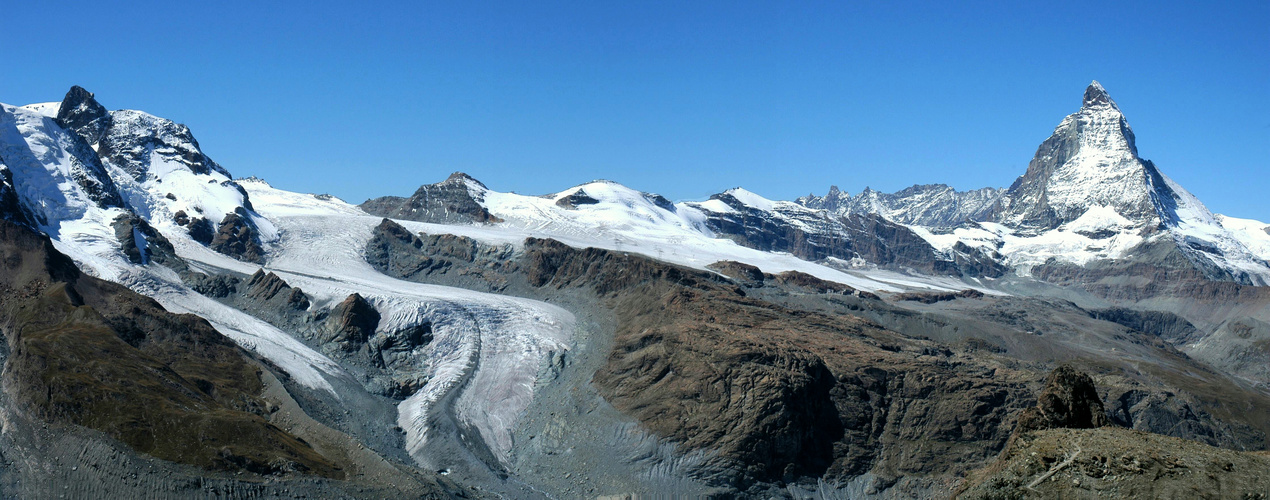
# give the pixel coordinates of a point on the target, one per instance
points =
(362, 99)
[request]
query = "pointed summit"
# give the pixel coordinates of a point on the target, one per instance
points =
(82, 114)
(1091, 160)
(1095, 95)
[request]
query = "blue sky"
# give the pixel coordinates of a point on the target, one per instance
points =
(680, 98)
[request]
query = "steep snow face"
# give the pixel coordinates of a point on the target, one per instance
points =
(1254, 234)
(56, 176)
(162, 172)
(135, 161)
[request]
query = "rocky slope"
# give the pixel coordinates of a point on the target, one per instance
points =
(1065, 448)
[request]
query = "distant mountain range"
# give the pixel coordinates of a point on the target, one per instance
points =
(599, 340)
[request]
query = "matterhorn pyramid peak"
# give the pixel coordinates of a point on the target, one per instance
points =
(1090, 160)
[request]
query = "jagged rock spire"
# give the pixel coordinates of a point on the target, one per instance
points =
(82, 114)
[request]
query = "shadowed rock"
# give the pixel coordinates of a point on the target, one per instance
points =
(82, 114)
(1069, 400)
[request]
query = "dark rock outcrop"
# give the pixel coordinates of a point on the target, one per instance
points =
(201, 230)
(268, 289)
(933, 297)
(454, 200)
(741, 272)
(142, 244)
(81, 114)
(579, 197)
(394, 251)
(238, 238)
(217, 286)
(389, 349)
(10, 205)
(1069, 401)
(351, 323)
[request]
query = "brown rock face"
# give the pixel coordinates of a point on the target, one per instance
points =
(269, 289)
(743, 273)
(812, 283)
(1069, 400)
(453, 200)
(352, 322)
(933, 297)
(142, 244)
(237, 238)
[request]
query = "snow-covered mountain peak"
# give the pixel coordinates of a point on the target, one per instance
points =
(1090, 160)
(750, 199)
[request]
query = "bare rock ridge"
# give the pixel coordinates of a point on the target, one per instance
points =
(454, 200)
(271, 291)
(394, 251)
(816, 235)
(352, 322)
(82, 114)
(237, 237)
(929, 205)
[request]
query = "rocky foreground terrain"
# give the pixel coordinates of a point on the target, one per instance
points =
(172, 332)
